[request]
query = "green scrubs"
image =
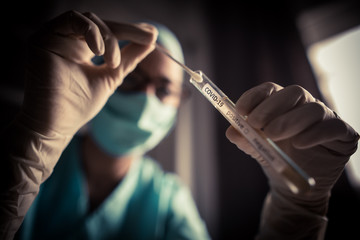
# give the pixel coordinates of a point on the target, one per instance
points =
(147, 204)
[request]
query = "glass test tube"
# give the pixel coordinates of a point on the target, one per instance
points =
(295, 178)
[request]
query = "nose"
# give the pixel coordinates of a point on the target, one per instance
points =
(150, 89)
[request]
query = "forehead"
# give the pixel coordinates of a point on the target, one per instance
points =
(158, 66)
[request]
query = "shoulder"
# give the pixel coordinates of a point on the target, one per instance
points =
(176, 202)
(168, 186)
(152, 172)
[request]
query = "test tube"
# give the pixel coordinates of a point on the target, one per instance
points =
(294, 177)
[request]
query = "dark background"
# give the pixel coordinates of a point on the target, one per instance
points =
(252, 42)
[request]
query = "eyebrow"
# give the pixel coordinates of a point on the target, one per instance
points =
(138, 70)
(162, 79)
(165, 80)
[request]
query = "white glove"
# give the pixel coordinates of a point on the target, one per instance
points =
(64, 90)
(314, 137)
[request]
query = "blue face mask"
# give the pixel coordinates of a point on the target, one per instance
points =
(132, 123)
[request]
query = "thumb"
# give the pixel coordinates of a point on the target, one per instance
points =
(133, 54)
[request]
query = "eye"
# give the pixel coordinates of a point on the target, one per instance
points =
(162, 92)
(132, 82)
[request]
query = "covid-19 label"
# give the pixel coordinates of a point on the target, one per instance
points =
(212, 95)
(229, 112)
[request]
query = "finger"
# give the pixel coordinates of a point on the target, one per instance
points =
(296, 120)
(277, 104)
(235, 137)
(73, 23)
(112, 51)
(70, 35)
(253, 97)
(141, 33)
(239, 140)
(333, 134)
(132, 54)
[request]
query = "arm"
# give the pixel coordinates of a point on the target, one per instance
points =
(28, 158)
(64, 90)
(315, 138)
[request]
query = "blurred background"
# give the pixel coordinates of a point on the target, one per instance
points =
(238, 44)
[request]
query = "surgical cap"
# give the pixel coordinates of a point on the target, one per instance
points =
(169, 41)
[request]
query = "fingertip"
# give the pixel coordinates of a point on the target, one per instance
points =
(96, 46)
(117, 59)
(249, 100)
(100, 49)
(357, 136)
(112, 55)
(114, 63)
(132, 54)
(155, 34)
(151, 33)
(232, 134)
(228, 132)
(113, 60)
(242, 107)
(149, 28)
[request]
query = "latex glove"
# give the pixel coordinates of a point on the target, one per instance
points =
(314, 137)
(64, 90)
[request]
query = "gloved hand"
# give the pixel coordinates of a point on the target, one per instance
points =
(314, 137)
(64, 90)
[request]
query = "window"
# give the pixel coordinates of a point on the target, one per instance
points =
(336, 64)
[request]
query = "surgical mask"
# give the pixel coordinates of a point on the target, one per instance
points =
(132, 123)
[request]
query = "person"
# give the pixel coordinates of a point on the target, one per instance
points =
(103, 186)
(65, 91)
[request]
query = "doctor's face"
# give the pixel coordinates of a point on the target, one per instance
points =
(157, 75)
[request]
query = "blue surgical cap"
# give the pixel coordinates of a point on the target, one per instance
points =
(166, 39)
(169, 41)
